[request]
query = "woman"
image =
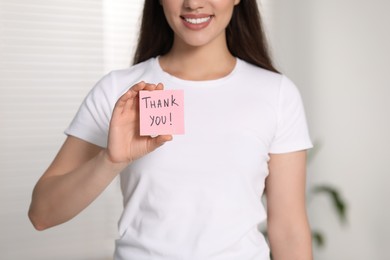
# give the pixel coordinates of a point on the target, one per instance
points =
(197, 196)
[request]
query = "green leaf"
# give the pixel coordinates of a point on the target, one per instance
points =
(337, 202)
(318, 238)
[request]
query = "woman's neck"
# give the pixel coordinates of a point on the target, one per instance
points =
(198, 63)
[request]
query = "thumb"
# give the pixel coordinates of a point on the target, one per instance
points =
(155, 142)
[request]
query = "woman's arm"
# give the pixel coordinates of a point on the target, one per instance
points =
(78, 174)
(288, 227)
(81, 170)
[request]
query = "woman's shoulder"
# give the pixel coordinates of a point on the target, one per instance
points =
(254, 71)
(134, 71)
(119, 80)
(258, 75)
(266, 81)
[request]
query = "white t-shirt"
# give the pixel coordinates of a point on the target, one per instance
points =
(199, 196)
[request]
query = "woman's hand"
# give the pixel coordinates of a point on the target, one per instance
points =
(81, 170)
(124, 141)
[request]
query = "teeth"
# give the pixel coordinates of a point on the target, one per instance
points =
(197, 20)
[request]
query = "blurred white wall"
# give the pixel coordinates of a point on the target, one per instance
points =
(51, 55)
(337, 52)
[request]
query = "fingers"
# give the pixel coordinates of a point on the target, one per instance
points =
(145, 86)
(133, 91)
(137, 87)
(159, 86)
(123, 101)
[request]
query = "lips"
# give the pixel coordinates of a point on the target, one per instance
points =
(196, 22)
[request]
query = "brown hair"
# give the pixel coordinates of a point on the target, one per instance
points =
(244, 34)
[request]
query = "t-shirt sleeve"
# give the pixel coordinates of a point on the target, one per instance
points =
(91, 122)
(292, 131)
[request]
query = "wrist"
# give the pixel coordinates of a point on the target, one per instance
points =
(116, 167)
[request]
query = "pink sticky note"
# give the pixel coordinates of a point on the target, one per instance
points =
(161, 112)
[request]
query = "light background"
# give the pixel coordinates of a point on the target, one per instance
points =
(337, 52)
(53, 51)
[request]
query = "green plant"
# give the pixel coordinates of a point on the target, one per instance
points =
(338, 203)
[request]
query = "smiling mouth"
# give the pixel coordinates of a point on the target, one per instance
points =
(197, 20)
